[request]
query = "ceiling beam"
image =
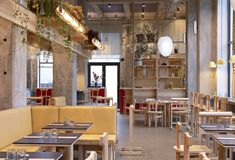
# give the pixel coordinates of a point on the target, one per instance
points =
(97, 10)
(127, 10)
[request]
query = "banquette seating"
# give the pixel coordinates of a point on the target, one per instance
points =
(17, 123)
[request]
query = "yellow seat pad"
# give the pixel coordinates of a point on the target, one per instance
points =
(92, 139)
(28, 148)
(194, 149)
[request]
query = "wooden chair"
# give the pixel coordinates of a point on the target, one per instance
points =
(216, 103)
(208, 102)
(92, 156)
(127, 101)
(140, 111)
(179, 108)
(104, 144)
(153, 112)
(223, 104)
(187, 146)
(193, 149)
(203, 156)
(94, 92)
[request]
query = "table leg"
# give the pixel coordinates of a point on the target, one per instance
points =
(222, 153)
(165, 115)
(80, 152)
(231, 153)
(69, 152)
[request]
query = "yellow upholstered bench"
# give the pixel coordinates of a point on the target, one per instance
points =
(15, 124)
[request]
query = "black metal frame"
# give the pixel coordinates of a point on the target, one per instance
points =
(103, 64)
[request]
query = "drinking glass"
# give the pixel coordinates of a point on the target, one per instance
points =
(21, 154)
(11, 154)
(47, 134)
(54, 133)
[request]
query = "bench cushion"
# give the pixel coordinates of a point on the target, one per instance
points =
(15, 123)
(42, 116)
(93, 139)
(103, 118)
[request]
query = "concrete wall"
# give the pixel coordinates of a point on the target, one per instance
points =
(207, 45)
(191, 47)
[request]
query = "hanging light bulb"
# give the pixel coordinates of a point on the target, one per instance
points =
(220, 61)
(212, 65)
(98, 44)
(177, 10)
(109, 5)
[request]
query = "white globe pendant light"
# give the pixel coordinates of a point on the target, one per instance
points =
(165, 46)
(232, 4)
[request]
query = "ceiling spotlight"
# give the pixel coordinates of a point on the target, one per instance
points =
(143, 5)
(109, 5)
(115, 17)
(177, 10)
(142, 13)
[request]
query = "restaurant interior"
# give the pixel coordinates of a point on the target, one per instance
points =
(117, 79)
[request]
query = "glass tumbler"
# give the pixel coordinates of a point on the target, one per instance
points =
(21, 154)
(11, 154)
(54, 133)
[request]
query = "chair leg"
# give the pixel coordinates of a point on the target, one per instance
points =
(156, 120)
(149, 120)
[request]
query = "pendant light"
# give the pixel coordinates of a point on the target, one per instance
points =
(220, 61)
(165, 46)
(212, 65)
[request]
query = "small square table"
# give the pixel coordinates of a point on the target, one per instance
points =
(224, 141)
(37, 155)
(66, 140)
(75, 127)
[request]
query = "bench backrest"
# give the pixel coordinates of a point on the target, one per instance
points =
(15, 123)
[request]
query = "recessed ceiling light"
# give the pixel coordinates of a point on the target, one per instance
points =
(109, 5)
(143, 5)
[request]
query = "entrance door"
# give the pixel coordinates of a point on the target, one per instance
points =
(109, 73)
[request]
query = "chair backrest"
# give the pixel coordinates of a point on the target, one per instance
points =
(180, 104)
(104, 144)
(92, 156)
(203, 156)
(186, 146)
(178, 131)
(216, 103)
(201, 96)
(208, 102)
(57, 101)
(151, 105)
(223, 103)
(196, 99)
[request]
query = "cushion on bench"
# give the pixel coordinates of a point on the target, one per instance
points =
(28, 148)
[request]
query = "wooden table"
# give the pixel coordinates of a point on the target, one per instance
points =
(165, 104)
(37, 155)
(35, 99)
(105, 99)
(224, 141)
(210, 129)
(64, 140)
(75, 127)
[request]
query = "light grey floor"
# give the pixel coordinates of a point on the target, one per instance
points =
(157, 142)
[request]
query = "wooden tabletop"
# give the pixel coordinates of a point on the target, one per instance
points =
(62, 126)
(34, 98)
(64, 139)
(38, 155)
(217, 128)
(225, 140)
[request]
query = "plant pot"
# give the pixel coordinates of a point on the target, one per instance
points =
(150, 37)
(140, 38)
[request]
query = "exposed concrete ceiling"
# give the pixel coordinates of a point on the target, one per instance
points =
(126, 9)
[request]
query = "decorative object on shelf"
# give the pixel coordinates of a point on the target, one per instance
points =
(171, 85)
(138, 62)
(232, 4)
(176, 50)
(212, 65)
(165, 46)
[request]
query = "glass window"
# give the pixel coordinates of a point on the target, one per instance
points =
(45, 71)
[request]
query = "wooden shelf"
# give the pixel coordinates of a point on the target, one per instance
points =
(170, 77)
(173, 89)
(145, 88)
(169, 66)
(144, 77)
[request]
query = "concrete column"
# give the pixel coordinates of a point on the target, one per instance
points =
(192, 48)
(13, 60)
(19, 67)
(207, 45)
(64, 75)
